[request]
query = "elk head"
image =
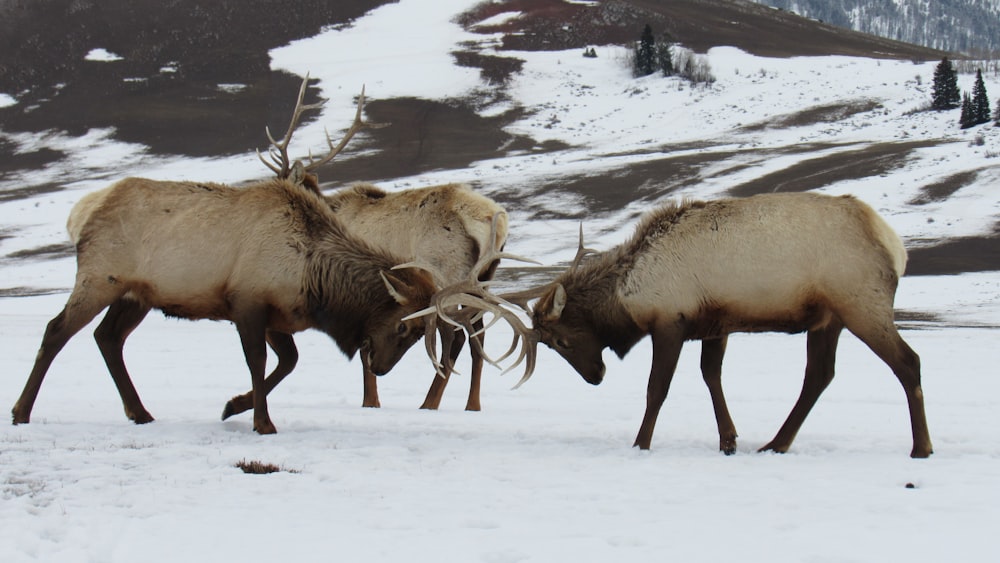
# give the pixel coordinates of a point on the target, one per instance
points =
(567, 330)
(388, 336)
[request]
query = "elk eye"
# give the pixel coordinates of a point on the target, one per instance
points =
(401, 329)
(561, 343)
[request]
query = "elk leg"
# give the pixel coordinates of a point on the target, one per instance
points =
(119, 322)
(75, 315)
(370, 399)
(288, 355)
(666, 350)
(476, 378)
(452, 342)
(821, 352)
(253, 337)
(890, 347)
(712, 352)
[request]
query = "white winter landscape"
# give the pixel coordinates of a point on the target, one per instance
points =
(545, 472)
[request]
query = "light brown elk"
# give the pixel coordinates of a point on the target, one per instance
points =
(702, 270)
(272, 258)
(446, 227)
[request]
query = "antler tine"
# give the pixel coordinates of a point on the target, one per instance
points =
(580, 252)
(356, 126)
(278, 151)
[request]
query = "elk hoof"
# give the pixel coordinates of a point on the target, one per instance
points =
(265, 428)
(238, 404)
(141, 418)
(728, 445)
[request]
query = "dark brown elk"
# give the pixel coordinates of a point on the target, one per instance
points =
(272, 258)
(446, 227)
(702, 270)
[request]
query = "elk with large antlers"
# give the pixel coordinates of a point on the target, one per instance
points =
(272, 258)
(447, 227)
(702, 270)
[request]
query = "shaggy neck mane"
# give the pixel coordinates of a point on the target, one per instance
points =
(343, 289)
(592, 291)
(345, 292)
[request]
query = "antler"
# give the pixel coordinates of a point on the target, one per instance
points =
(278, 151)
(476, 301)
(521, 298)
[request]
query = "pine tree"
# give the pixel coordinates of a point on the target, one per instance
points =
(980, 101)
(645, 53)
(968, 117)
(945, 93)
(665, 57)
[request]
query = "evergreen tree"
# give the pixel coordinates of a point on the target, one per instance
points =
(968, 117)
(945, 93)
(980, 101)
(645, 53)
(665, 57)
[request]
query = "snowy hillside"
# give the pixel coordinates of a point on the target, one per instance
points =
(545, 472)
(961, 26)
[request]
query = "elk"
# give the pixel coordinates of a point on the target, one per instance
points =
(788, 262)
(272, 258)
(445, 227)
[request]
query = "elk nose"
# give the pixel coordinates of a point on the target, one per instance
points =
(596, 376)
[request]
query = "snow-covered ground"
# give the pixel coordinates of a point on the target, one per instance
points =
(544, 473)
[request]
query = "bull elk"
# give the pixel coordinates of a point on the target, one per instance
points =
(272, 258)
(446, 227)
(702, 270)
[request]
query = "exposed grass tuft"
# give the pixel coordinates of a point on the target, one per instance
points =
(255, 467)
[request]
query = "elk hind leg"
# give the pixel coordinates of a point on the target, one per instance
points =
(879, 333)
(288, 355)
(821, 352)
(121, 319)
(80, 309)
(712, 352)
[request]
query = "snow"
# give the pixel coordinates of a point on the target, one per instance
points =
(102, 55)
(7, 100)
(545, 472)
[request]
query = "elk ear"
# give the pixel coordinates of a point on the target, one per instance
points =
(397, 288)
(551, 306)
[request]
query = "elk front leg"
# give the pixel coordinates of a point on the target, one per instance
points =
(476, 377)
(121, 319)
(712, 352)
(252, 335)
(288, 355)
(452, 342)
(667, 343)
(370, 399)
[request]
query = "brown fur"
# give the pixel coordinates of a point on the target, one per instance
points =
(702, 270)
(272, 258)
